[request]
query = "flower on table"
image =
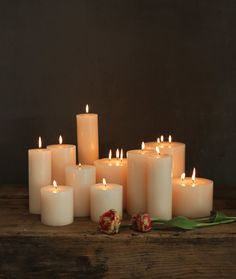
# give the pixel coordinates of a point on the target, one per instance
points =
(109, 222)
(141, 222)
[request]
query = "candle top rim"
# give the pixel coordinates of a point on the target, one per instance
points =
(138, 151)
(87, 114)
(113, 162)
(84, 167)
(62, 146)
(59, 189)
(39, 149)
(164, 143)
(154, 154)
(199, 181)
(101, 186)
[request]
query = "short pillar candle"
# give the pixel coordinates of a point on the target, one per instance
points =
(104, 197)
(57, 205)
(192, 196)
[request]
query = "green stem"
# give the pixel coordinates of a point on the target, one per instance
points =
(200, 225)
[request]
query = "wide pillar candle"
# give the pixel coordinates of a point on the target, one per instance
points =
(175, 149)
(115, 171)
(104, 197)
(137, 182)
(39, 175)
(87, 137)
(81, 178)
(57, 205)
(63, 155)
(159, 186)
(192, 199)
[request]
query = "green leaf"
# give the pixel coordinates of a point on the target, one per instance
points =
(220, 216)
(182, 222)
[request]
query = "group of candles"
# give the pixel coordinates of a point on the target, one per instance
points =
(151, 179)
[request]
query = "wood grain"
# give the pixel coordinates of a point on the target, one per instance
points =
(30, 249)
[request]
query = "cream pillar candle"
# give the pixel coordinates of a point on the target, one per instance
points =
(39, 175)
(63, 155)
(114, 170)
(137, 181)
(175, 149)
(81, 178)
(56, 205)
(87, 137)
(159, 185)
(192, 197)
(104, 197)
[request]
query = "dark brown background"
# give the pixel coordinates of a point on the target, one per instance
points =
(147, 67)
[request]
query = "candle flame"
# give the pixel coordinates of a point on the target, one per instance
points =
(60, 140)
(104, 182)
(54, 184)
(117, 154)
(80, 165)
(87, 108)
(194, 176)
(121, 154)
(40, 142)
(158, 140)
(143, 146)
(162, 138)
(158, 150)
(182, 177)
(170, 139)
(110, 155)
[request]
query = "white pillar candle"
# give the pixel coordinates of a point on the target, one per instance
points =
(39, 175)
(175, 149)
(56, 205)
(192, 197)
(81, 178)
(137, 181)
(87, 137)
(104, 197)
(63, 155)
(114, 170)
(159, 185)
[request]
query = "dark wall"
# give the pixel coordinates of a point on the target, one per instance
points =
(147, 67)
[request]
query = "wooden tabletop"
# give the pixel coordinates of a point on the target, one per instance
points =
(30, 249)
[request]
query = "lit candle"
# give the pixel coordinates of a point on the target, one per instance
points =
(115, 171)
(63, 155)
(39, 174)
(159, 185)
(137, 181)
(56, 205)
(103, 197)
(175, 149)
(87, 137)
(192, 196)
(81, 177)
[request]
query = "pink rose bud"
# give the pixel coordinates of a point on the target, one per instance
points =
(109, 222)
(141, 222)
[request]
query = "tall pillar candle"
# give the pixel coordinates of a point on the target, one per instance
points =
(57, 205)
(192, 197)
(39, 175)
(104, 197)
(175, 149)
(159, 186)
(137, 181)
(81, 178)
(114, 170)
(87, 137)
(63, 155)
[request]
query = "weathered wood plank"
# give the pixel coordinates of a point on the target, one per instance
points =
(30, 249)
